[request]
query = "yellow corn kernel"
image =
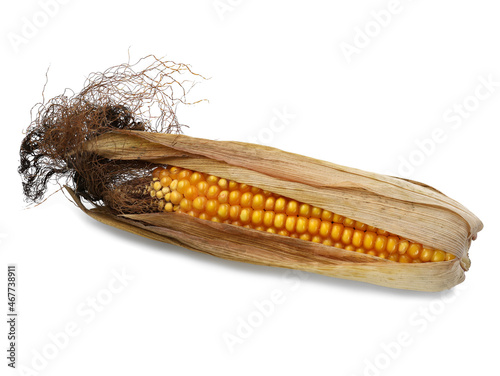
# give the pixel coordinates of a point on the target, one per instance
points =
(327, 215)
(223, 184)
(186, 204)
(255, 190)
(338, 218)
(450, 256)
(246, 200)
(233, 185)
(175, 197)
(223, 211)
(380, 243)
(212, 180)
(199, 203)
(173, 185)
(347, 235)
(392, 243)
(244, 188)
(414, 250)
(316, 212)
(270, 203)
(246, 215)
(305, 236)
(223, 197)
(357, 238)
(313, 226)
(234, 212)
(234, 197)
(301, 226)
(257, 217)
(279, 220)
(426, 255)
(292, 208)
(325, 228)
(438, 256)
(204, 216)
(360, 226)
(405, 258)
(202, 187)
(291, 223)
(258, 202)
(183, 185)
(211, 207)
(191, 193)
(403, 246)
(337, 230)
(348, 222)
(280, 205)
(305, 210)
(369, 240)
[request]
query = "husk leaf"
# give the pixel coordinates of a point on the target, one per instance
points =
(410, 209)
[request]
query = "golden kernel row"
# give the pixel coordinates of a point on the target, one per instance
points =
(219, 200)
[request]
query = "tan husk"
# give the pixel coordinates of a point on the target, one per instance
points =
(410, 209)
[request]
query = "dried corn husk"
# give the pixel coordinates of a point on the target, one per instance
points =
(410, 209)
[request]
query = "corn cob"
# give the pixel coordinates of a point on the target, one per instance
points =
(238, 204)
(238, 201)
(427, 233)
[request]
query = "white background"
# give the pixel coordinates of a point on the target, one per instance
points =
(366, 110)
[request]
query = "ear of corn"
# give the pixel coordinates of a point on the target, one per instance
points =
(219, 200)
(418, 221)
